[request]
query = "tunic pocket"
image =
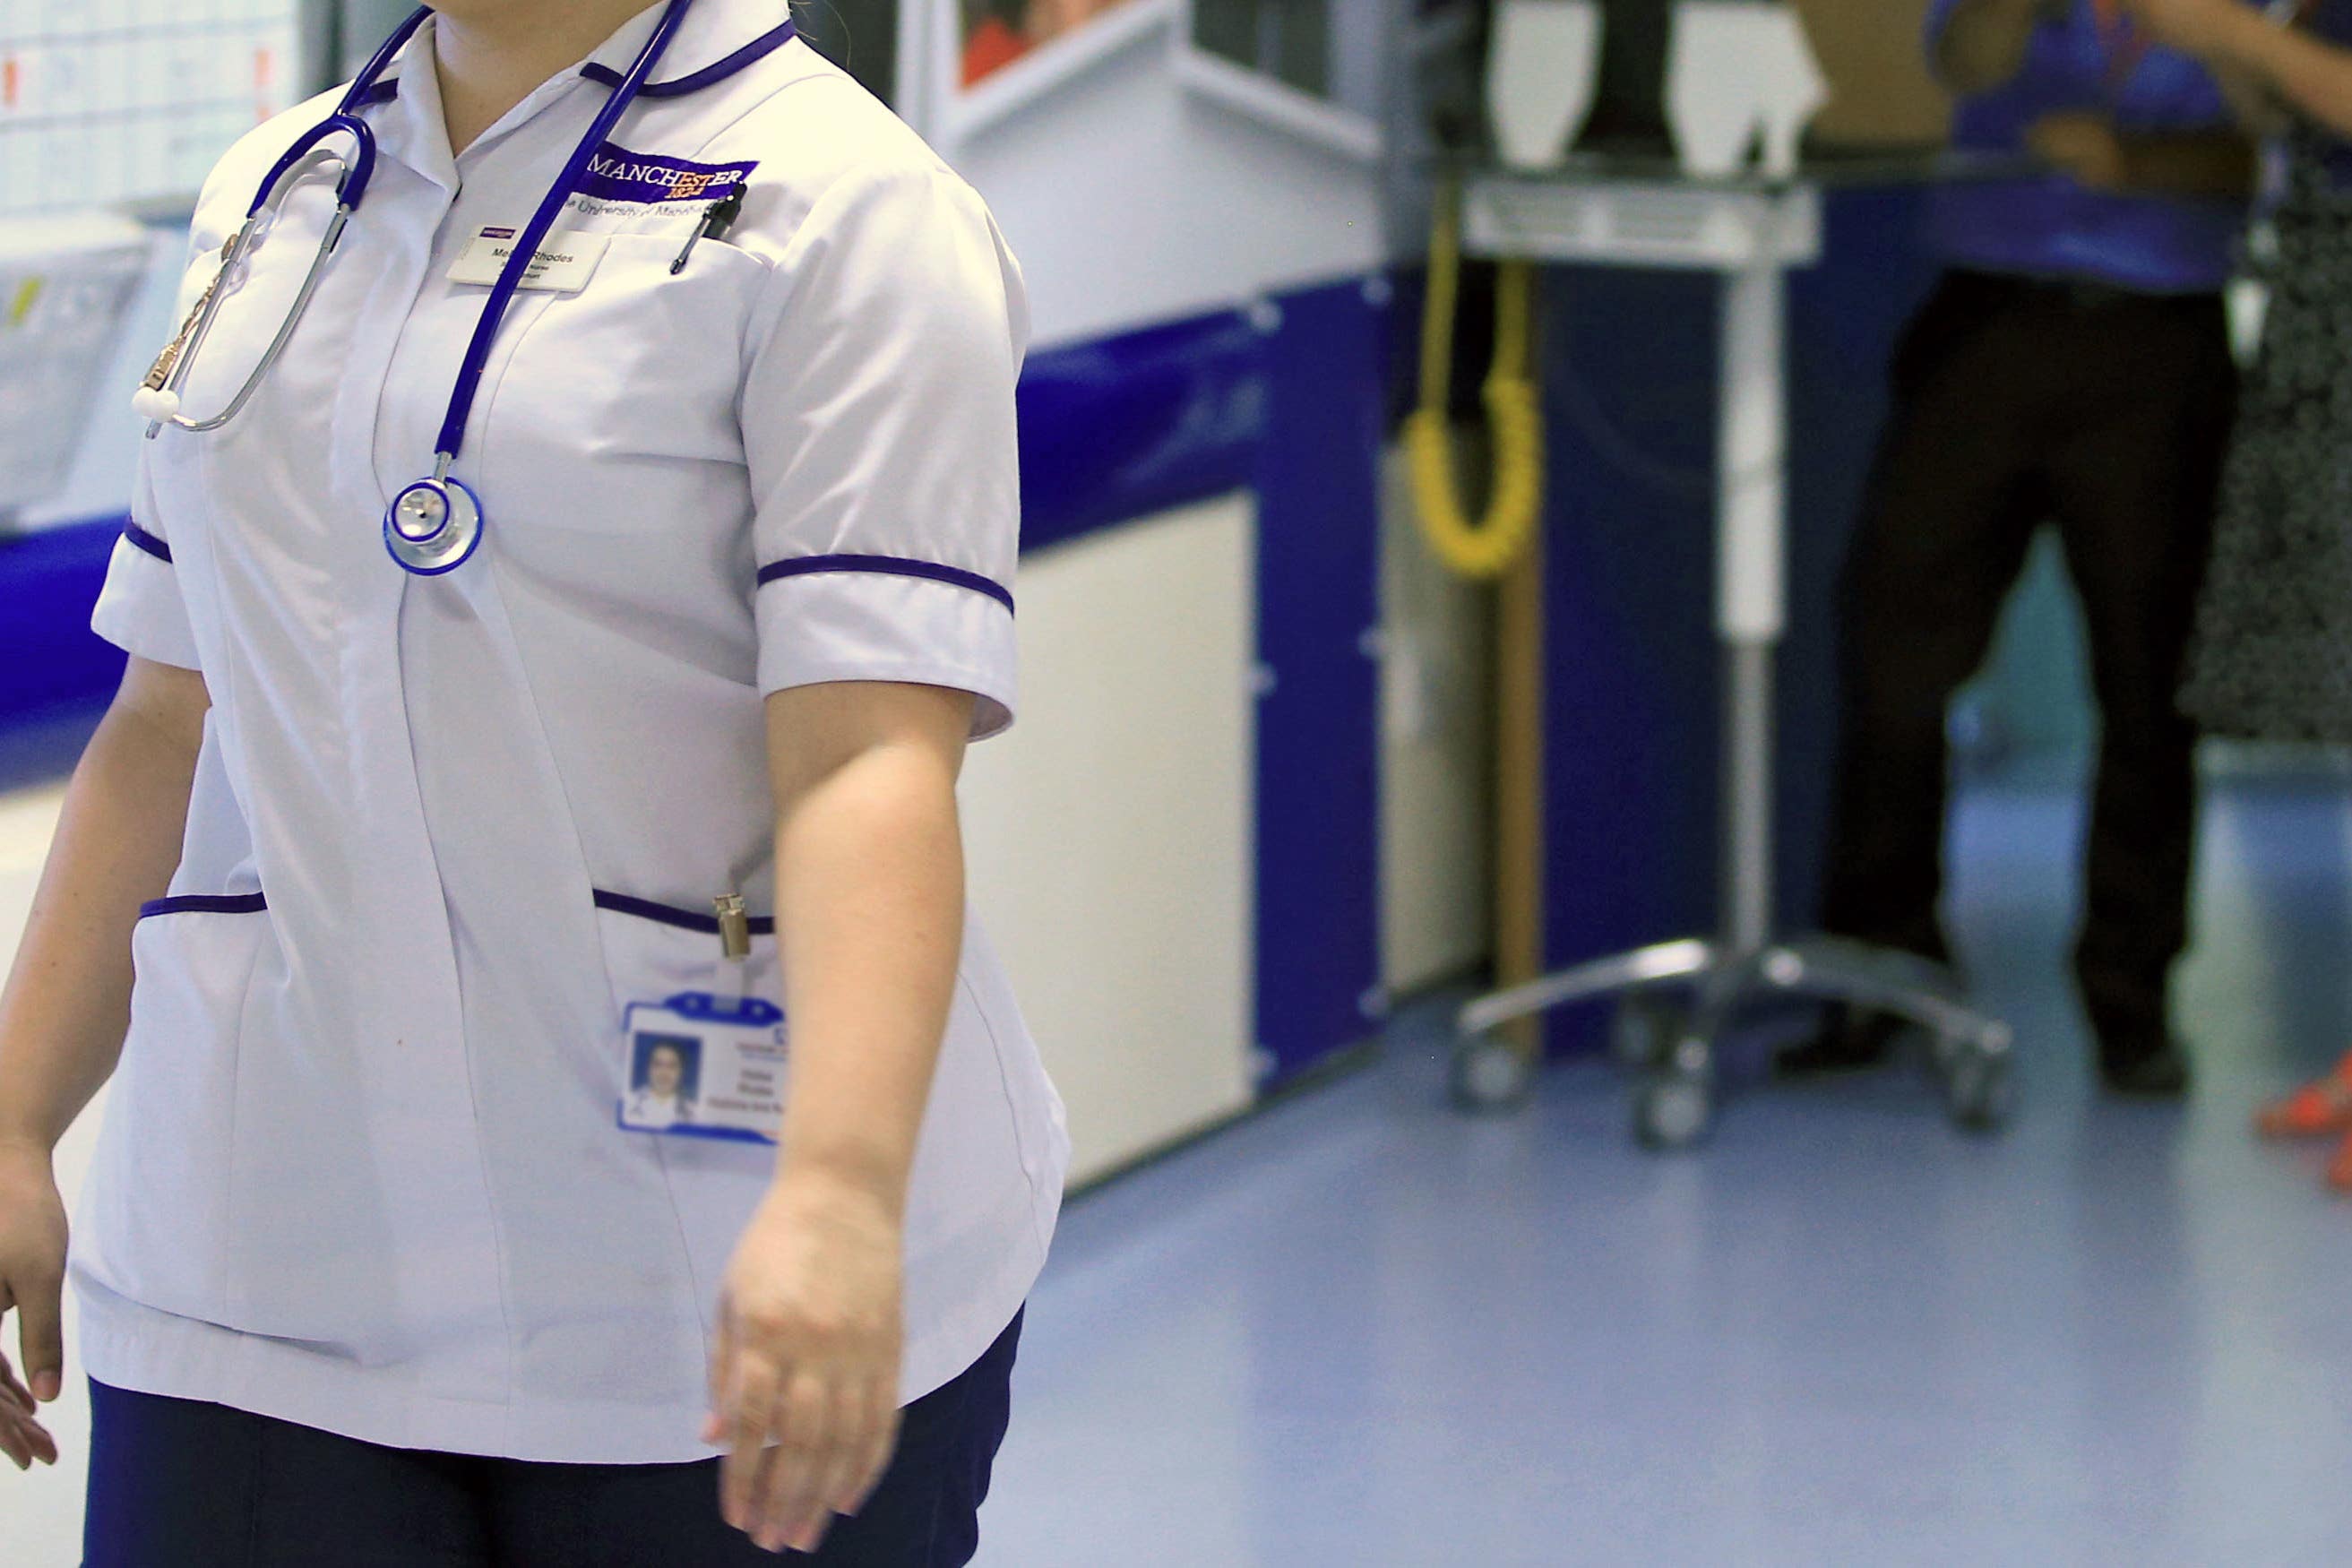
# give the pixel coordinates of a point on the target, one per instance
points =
(156, 1225)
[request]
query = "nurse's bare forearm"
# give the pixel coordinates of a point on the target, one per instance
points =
(869, 913)
(2311, 78)
(67, 1004)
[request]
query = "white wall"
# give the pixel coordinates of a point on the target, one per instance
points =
(1436, 755)
(1111, 832)
(1146, 182)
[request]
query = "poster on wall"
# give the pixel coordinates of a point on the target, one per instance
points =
(104, 104)
(998, 32)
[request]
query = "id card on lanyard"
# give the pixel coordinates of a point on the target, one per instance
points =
(700, 1066)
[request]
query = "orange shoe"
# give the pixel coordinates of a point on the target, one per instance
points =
(2315, 1111)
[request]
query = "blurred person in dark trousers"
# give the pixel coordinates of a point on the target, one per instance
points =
(2071, 367)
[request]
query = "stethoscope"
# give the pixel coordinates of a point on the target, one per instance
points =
(435, 524)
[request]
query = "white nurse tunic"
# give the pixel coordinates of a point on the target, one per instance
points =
(361, 1168)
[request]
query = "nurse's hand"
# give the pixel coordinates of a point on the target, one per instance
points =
(804, 1372)
(32, 1285)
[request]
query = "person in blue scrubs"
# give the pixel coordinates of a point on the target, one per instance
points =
(2072, 368)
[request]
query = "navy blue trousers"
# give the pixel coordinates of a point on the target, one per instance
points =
(175, 1483)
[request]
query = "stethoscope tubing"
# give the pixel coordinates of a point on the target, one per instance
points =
(296, 162)
(452, 506)
(255, 225)
(526, 246)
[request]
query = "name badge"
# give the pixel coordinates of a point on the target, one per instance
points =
(564, 263)
(701, 1066)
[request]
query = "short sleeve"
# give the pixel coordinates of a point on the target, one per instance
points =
(139, 608)
(878, 428)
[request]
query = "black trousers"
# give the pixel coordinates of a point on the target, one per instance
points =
(2019, 404)
(175, 1483)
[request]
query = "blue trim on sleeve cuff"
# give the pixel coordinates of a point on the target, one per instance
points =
(205, 904)
(147, 542)
(889, 566)
(671, 915)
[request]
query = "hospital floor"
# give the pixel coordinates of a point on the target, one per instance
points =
(1362, 1330)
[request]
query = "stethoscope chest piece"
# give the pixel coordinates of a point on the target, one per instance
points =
(433, 526)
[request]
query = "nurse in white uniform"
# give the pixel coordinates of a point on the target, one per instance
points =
(568, 642)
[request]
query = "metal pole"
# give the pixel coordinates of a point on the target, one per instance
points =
(1751, 596)
(1747, 799)
(1519, 830)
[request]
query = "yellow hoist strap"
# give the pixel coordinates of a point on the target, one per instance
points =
(1488, 547)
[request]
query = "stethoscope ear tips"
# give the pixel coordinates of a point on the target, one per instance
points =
(156, 406)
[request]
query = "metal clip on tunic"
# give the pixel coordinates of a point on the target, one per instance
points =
(734, 947)
(734, 927)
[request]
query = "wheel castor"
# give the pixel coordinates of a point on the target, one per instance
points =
(1979, 1086)
(1491, 1075)
(1672, 1110)
(1642, 1030)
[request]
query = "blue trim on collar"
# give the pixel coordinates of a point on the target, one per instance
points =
(888, 565)
(205, 904)
(139, 537)
(671, 915)
(710, 75)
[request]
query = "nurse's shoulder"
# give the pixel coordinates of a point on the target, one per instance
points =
(836, 165)
(235, 179)
(827, 123)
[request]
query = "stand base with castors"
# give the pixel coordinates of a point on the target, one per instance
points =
(1677, 1001)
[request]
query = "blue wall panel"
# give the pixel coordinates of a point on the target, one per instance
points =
(1318, 948)
(1632, 757)
(48, 656)
(1125, 427)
